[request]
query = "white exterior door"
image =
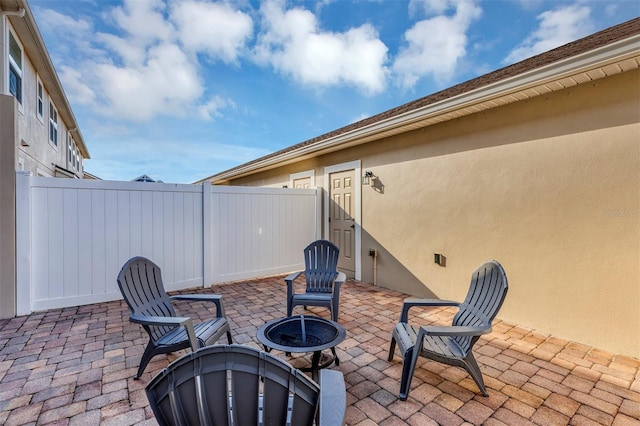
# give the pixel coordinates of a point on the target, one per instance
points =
(342, 223)
(342, 214)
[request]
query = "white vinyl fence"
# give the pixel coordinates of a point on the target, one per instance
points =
(73, 236)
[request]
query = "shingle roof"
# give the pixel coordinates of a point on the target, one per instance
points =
(596, 40)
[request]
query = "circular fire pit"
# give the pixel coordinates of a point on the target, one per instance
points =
(303, 333)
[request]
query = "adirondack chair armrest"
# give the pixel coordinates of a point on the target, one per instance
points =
(454, 330)
(160, 321)
(292, 276)
(333, 398)
(340, 279)
(175, 321)
(289, 280)
(215, 298)
(410, 303)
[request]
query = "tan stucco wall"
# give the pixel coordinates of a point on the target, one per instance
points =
(7, 207)
(550, 187)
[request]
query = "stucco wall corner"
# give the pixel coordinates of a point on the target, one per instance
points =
(7, 206)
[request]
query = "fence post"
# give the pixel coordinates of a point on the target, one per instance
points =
(23, 243)
(207, 275)
(318, 212)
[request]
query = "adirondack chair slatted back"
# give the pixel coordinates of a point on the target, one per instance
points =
(232, 384)
(321, 266)
(140, 282)
(486, 294)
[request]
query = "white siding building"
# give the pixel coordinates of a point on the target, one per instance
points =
(47, 139)
(38, 130)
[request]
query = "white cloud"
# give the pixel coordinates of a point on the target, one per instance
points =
(73, 41)
(435, 45)
(52, 18)
(214, 28)
(611, 9)
(530, 4)
(361, 117)
(293, 43)
(429, 7)
(73, 36)
(150, 74)
(143, 20)
(75, 86)
(164, 83)
(146, 64)
(213, 107)
(557, 27)
(124, 51)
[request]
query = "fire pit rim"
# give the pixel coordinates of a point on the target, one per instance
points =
(266, 328)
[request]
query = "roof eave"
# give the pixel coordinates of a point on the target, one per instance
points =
(597, 58)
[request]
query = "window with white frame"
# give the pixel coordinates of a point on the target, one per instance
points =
(40, 100)
(15, 68)
(53, 125)
(69, 150)
(74, 159)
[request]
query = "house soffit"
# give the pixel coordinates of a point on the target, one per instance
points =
(439, 115)
(10, 5)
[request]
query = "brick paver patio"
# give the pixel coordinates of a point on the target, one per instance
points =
(75, 366)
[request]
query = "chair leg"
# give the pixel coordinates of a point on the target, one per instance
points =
(289, 308)
(334, 310)
(471, 365)
(229, 336)
(392, 349)
(146, 357)
(408, 365)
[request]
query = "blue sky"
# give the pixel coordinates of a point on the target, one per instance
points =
(183, 89)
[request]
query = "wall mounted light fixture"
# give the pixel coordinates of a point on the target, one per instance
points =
(366, 178)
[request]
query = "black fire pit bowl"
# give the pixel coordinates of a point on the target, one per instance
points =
(303, 333)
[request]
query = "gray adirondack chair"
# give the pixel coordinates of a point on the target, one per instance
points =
(140, 283)
(323, 280)
(452, 344)
(240, 385)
